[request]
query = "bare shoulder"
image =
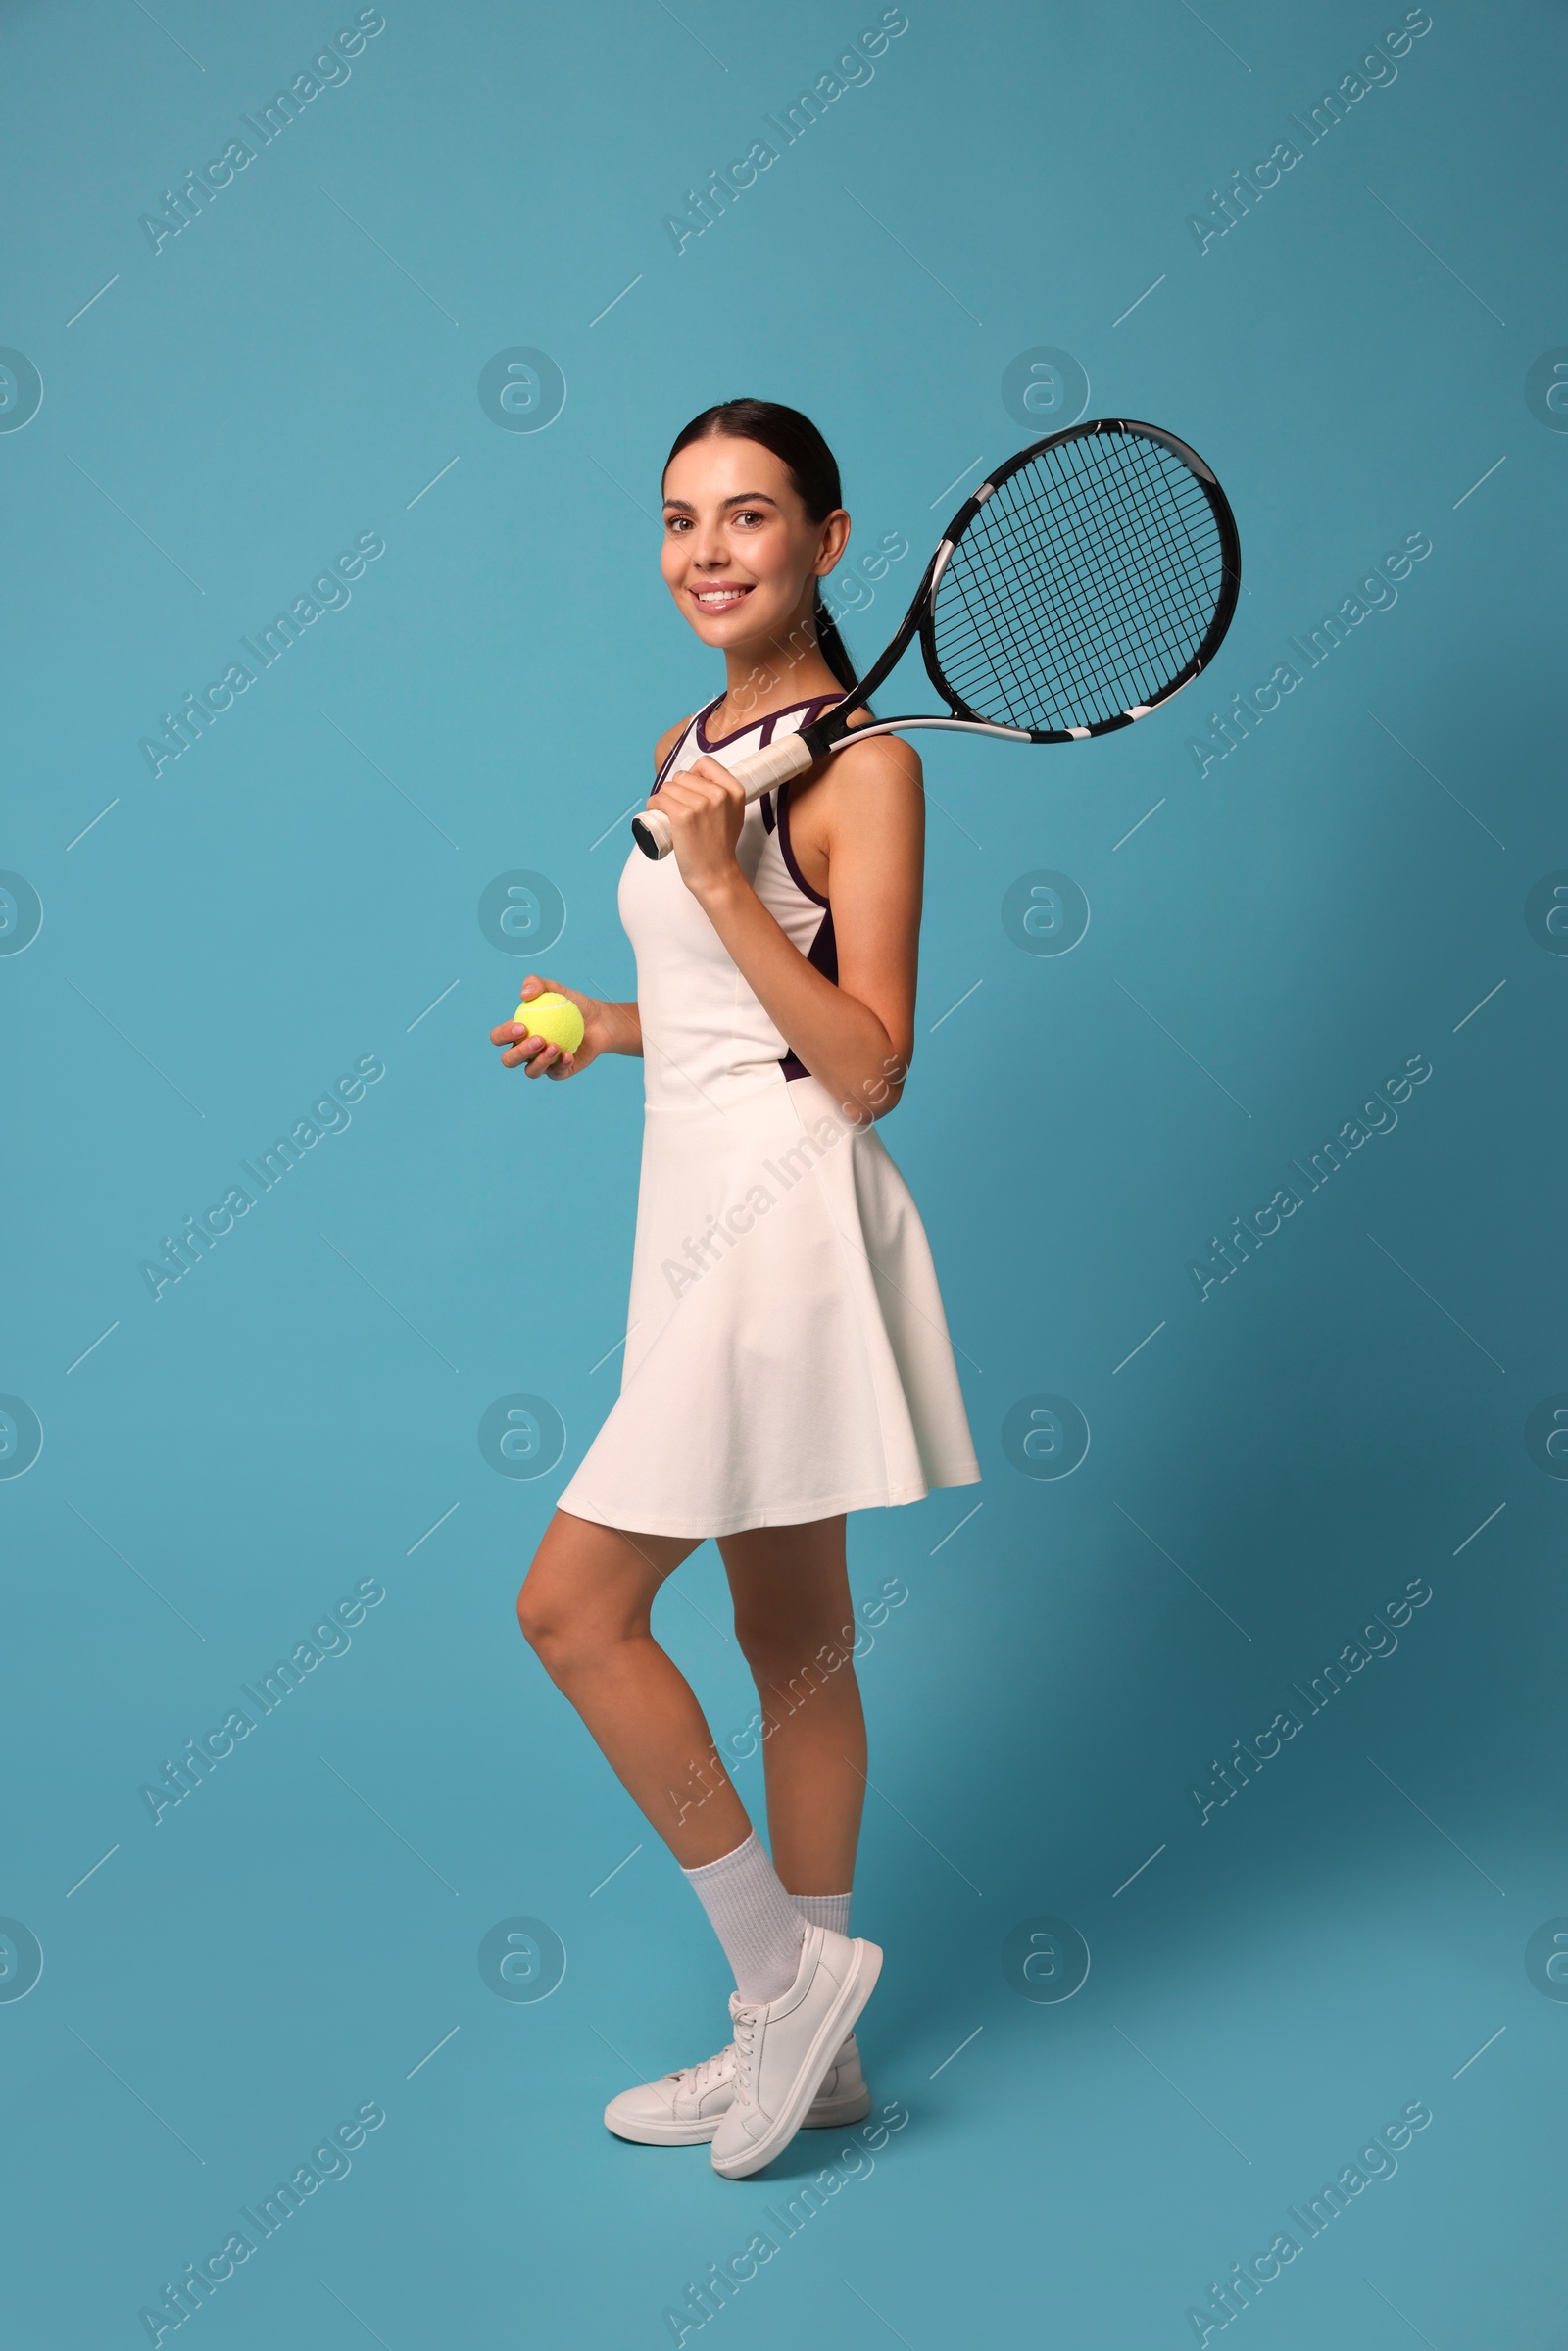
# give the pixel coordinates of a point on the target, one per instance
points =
(873, 788)
(667, 742)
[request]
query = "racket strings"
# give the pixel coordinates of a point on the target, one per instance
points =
(1098, 634)
(1029, 620)
(1124, 538)
(1158, 619)
(1084, 586)
(1163, 506)
(1037, 617)
(1194, 561)
(1064, 629)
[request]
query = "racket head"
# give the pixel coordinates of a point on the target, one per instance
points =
(1084, 583)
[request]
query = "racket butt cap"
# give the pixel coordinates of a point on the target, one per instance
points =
(652, 834)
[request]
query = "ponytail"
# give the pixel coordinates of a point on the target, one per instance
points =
(829, 644)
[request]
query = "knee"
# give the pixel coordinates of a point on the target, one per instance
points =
(566, 1636)
(530, 1617)
(804, 1653)
(544, 1625)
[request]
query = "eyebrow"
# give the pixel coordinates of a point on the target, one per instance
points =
(741, 497)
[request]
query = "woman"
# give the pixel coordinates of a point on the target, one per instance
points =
(787, 1358)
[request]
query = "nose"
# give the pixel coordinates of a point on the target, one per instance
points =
(710, 552)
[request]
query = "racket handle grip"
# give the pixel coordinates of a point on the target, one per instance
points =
(760, 771)
(757, 773)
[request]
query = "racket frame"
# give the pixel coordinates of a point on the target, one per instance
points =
(759, 771)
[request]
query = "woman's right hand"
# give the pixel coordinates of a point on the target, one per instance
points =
(537, 1055)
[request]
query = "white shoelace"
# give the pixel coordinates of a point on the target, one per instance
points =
(745, 2018)
(700, 2079)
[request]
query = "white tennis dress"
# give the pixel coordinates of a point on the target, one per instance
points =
(787, 1356)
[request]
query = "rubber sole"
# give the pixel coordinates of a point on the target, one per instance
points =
(837, 2024)
(844, 2111)
(836, 2115)
(672, 2135)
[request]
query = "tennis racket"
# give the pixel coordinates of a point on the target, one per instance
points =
(1090, 580)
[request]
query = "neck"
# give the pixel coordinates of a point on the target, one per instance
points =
(775, 673)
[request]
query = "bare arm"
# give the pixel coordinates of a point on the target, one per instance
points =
(857, 1035)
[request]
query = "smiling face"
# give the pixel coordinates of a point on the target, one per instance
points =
(741, 554)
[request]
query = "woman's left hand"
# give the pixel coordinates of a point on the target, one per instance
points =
(707, 808)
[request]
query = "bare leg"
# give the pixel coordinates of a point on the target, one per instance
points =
(585, 1609)
(795, 1621)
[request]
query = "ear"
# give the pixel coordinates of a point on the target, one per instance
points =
(835, 538)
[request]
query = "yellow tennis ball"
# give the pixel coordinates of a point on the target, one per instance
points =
(552, 1018)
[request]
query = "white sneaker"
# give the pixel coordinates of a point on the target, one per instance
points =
(782, 2047)
(685, 2109)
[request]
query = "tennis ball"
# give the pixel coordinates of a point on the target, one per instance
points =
(554, 1018)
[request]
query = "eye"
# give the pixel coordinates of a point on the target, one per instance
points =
(677, 523)
(749, 514)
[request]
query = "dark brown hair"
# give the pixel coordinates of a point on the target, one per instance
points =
(813, 469)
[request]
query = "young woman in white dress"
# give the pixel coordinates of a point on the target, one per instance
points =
(787, 1357)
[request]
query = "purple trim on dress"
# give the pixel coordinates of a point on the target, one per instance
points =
(823, 957)
(795, 873)
(681, 738)
(815, 704)
(784, 790)
(703, 742)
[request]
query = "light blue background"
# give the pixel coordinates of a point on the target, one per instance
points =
(1270, 944)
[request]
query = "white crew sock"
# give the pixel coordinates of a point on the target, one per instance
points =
(824, 1910)
(760, 1927)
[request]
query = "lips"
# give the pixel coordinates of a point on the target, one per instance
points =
(719, 596)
